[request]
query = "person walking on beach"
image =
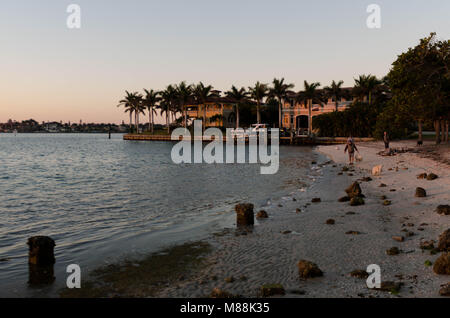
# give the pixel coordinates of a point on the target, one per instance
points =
(350, 147)
(386, 141)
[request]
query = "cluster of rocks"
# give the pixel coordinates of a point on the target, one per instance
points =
(307, 269)
(442, 264)
(429, 177)
(443, 209)
(354, 195)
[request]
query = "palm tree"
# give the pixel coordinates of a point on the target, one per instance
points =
(258, 92)
(202, 93)
(279, 91)
(310, 95)
(335, 91)
(139, 108)
(127, 102)
(164, 108)
(365, 86)
(168, 97)
(133, 104)
(239, 96)
(150, 101)
(184, 92)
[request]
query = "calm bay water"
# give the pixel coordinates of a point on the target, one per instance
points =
(102, 199)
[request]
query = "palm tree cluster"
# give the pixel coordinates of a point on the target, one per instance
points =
(172, 102)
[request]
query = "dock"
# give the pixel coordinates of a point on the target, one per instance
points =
(297, 140)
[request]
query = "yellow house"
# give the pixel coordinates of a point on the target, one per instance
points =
(219, 112)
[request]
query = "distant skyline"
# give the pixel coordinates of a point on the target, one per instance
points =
(52, 73)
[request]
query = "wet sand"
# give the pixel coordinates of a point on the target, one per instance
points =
(241, 264)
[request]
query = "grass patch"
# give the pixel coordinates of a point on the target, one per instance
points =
(143, 278)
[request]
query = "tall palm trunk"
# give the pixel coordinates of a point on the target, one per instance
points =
(446, 131)
(291, 132)
(185, 116)
(309, 117)
(131, 122)
(443, 130)
(152, 122)
(438, 131)
(237, 115)
(258, 114)
(420, 131)
(280, 113)
(204, 116)
(137, 122)
(167, 121)
(336, 104)
(150, 119)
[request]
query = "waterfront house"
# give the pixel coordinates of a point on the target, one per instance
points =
(296, 114)
(220, 111)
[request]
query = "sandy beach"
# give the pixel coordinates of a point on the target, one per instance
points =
(241, 262)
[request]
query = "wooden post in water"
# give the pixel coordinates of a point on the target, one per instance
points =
(244, 214)
(41, 259)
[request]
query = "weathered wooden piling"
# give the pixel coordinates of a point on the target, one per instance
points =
(40, 275)
(244, 214)
(41, 250)
(41, 258)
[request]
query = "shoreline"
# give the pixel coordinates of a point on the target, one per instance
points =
(242, 262)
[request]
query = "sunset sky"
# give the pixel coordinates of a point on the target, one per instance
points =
(51, 73)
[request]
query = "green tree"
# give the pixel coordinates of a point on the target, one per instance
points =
(419, 81)
(239, 96)
(184, 93)
(279, 90)
(366, 86)
(127, 103)
(309, 96)
(139, 108)
(258, 93)
(202, 94)
(168, 100)
(133, 104)
(150, 100)
(335, 91)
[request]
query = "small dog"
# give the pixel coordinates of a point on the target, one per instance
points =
(376, 171)
(420, 143)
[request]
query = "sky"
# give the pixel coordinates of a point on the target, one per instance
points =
(49, 72)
